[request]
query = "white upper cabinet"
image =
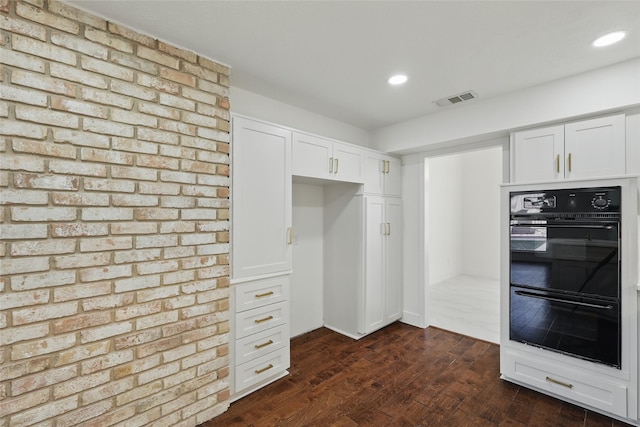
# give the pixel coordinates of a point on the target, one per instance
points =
(261, 199)
(595, 148)
(383, 174)
(585, 149)
(538, 154)
(316, 157)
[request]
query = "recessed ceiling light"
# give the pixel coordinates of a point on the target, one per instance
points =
(608, 39)
(398, 79)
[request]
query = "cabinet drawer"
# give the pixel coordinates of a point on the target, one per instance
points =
(262, 368)
(261, 343)
(261, 318)
(260, 293)
(563, 381)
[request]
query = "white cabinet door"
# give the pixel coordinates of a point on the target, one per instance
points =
(393, 177)
(317, 157)
(375, 167)
(383, 175)
(595, 148)
(373, 300)
(312, 156)
(261, 199)
(348, 163)
(383, 266)
(393, 260)
(538, 154)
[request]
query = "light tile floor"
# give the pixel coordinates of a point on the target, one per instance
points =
(467, 305)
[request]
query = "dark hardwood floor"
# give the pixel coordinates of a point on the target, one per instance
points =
(399, 376)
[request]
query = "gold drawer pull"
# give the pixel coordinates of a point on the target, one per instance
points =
(263, 320)
(551, 380)
(257, 346)
(259, 371)
(266, 294)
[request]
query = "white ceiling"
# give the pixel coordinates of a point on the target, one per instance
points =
(334, 57)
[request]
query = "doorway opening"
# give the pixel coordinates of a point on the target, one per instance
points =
(462, 227)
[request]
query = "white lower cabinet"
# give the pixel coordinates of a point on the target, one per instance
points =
(260, 331)
(362, 251)
(383, 275)
(581, 386)
(261, 369)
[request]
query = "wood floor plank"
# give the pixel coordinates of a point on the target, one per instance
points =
(399, 376)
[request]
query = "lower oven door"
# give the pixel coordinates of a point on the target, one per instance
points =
(583, 327)
(579, 258)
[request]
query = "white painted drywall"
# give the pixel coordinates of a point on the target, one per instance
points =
(432, 185)
(481, 179)
(613, 88)
(270, 110)
(413, 242)
(444, 217)
(307, 277)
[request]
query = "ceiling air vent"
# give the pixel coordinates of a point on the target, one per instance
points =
(455, 99)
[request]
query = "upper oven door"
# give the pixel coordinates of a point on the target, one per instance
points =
(576, 258)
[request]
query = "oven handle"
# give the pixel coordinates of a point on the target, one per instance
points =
(584, 304)
(603, 227)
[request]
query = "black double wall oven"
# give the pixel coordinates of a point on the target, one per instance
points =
(565, 272)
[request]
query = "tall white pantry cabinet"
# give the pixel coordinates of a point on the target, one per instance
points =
(363, 275)
(362, 283)
(261, 254)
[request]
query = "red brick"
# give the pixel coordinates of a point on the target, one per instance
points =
(107, 160)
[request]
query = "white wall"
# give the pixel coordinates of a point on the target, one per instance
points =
(613, 88)
(444, 217)
(270, 110)
(413, 242)
(307, 277)
(484, 168)
(481, 179)
(463, 209)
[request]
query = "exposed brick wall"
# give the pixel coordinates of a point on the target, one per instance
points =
(114, 253)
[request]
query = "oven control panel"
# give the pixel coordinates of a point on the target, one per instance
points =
(566, 201)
